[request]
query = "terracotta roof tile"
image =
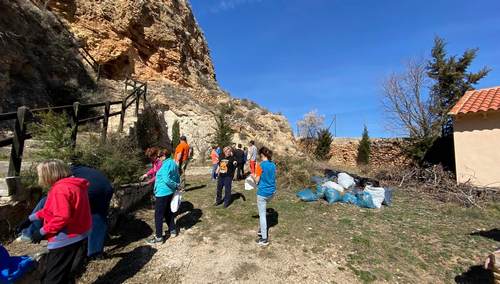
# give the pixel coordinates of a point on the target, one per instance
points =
(478, 100)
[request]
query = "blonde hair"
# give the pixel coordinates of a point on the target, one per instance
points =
(50, 171)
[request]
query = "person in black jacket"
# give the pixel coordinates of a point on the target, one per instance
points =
(239, 155)
(100, 192)
(225, 174)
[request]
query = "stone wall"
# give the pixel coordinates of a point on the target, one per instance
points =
(384, 152)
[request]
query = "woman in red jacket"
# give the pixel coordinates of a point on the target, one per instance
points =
(66, 220)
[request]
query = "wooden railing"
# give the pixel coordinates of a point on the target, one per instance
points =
(24, 115)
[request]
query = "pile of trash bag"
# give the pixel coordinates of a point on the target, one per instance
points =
(347, 188)
(12, 268)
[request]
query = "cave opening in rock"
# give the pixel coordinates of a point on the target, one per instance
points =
(118, 68)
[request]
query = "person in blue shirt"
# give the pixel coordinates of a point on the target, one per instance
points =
(166, 183)
(265, 177)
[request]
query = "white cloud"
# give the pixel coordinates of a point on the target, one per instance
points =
(224, 5)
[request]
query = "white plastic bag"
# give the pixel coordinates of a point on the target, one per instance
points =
(333, 185)
(377, 193)
(250, 183)
(345, 180)
(176, 201)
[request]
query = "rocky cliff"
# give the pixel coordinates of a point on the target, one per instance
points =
(38, 66)
(157, 41)
(152, 40)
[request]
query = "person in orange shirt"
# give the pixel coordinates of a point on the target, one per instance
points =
(215, 161)
(181, 157)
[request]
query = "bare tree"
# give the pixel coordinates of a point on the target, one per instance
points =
(406, 101)
(310, 125)
(309, 128)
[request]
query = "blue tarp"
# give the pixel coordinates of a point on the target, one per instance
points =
(13, 268)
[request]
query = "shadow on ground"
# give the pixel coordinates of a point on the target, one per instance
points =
(128, 230)
(475, 274)
(195, 187)
(493, 234)
(272, 217)
(129, 264)
(235, 196)
(193, 216)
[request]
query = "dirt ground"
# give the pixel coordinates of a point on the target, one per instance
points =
(414, 241)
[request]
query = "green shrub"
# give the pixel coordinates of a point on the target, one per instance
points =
(223, 135)
(364, 149)
(176, 134)
(53, 134)
(323, 145)
(119, 157)
(148, 129)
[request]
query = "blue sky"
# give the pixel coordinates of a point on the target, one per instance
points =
(292, 56)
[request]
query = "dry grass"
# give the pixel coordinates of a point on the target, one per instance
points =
(416, 240)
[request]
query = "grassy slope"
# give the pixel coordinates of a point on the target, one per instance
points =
(414, 239)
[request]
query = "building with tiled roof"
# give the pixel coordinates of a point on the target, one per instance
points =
(476, 134)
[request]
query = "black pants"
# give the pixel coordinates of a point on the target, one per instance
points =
(162, 210)
(63, 263)
(226, 182)
(240, 171)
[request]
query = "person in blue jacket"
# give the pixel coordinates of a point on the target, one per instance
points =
(100, 192)
(265, 177)
(167, 182)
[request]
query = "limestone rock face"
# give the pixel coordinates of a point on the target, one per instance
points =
(38, 67)
(150, 39)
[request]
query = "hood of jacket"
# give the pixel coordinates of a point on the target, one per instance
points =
(73, 181)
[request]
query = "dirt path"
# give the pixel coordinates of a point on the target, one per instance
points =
(193, 257)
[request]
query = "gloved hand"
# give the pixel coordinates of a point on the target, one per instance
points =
(36, 237)
(23, 225)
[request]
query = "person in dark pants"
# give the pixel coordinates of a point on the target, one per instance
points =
(100, 193)
(167, 182)
(225, 172)
(239, 156)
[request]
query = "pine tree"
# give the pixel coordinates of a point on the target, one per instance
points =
(451, 81)
(176, 134)
(364, 149)
(223, 135)
(323, 144)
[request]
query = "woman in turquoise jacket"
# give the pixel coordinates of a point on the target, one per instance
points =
(166, 183)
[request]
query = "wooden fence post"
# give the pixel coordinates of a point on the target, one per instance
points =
(137, 100)
(105, 122)
(145, 92)
(74, 123)
(16, 152)
(122, 116)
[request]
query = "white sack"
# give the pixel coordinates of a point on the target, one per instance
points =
(345, 180)
(377, 193)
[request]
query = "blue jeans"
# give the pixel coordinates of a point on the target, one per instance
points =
(35, 225)
(262, 205)
(97, 235)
